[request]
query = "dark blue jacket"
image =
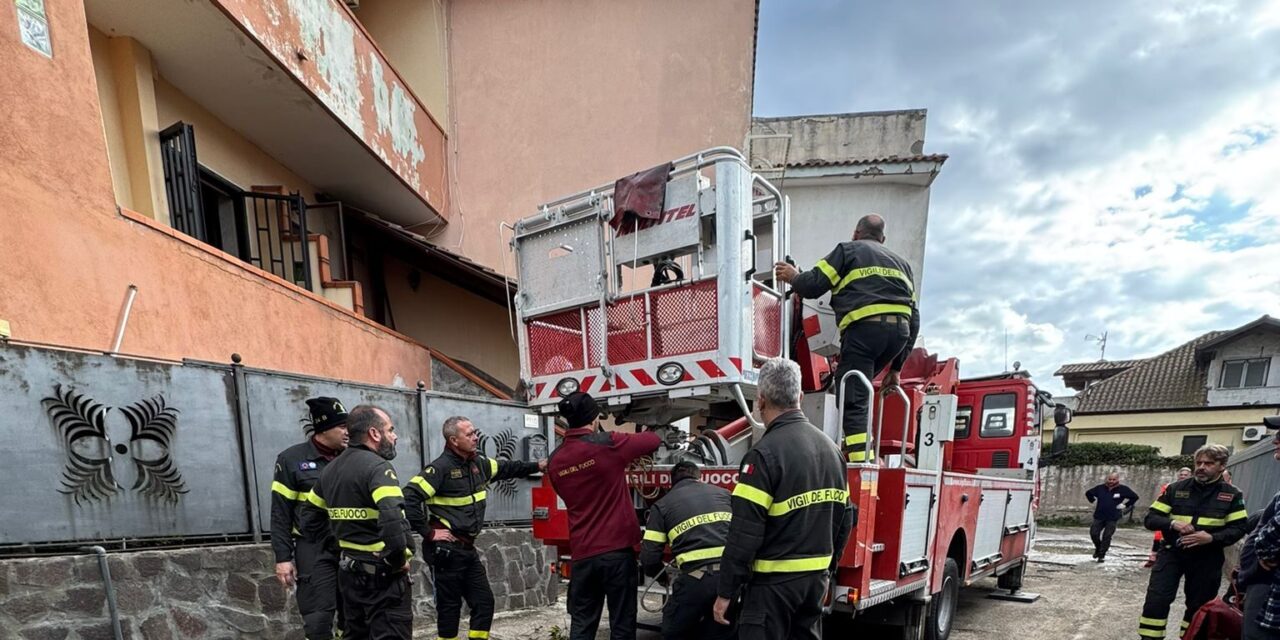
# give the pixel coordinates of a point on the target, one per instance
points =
(1108, 502)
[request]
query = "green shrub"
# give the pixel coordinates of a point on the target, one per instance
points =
(1080, 454)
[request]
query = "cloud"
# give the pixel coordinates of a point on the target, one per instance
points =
(1112, 165)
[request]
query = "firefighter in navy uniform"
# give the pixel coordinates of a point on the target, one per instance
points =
(694, 519)
(874, 298)
(446, 505)
(1199, 517)
(361, 494)
(791, 519)
(305, 554)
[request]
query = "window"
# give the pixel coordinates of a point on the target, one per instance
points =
(1237, 374)
(964, 415)
(998, 410)
(33, 26)
(1191, 443)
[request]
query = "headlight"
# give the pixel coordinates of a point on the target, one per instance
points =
(670, 373)
(566, 387)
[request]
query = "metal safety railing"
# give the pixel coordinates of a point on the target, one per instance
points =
(873, 444)
(279, 239)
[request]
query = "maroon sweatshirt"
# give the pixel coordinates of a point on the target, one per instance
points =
(588, 472)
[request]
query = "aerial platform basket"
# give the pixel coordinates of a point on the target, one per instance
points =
(592, 316)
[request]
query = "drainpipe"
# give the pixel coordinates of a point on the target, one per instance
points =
(105, 570)
(130, 294)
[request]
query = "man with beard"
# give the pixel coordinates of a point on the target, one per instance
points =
(1111, 499)
(305, 555)
(361, 493)
(446, 504)
(1198, 517)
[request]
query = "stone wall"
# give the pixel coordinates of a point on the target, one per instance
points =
(217, 592)
(1062, 488)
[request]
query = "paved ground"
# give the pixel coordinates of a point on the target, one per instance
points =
(1080, 599)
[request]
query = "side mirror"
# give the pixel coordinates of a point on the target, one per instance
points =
(1061, 416)
(1060, 436)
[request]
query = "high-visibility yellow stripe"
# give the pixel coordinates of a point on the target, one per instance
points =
(700, 519)
(1184, 625)
(352, 513)
(857, 456)
(1161, 507)
(1237, 515)
(288, 493)
(866, 272)
(752, 494)
(699, 554)
(377, 546)
(1151, 633)
(857, 438)
(829, 271)
(460, 501)
(493, 471)
(873, 310)
(422, 483)
(387, 492)
(316, 500)
(476, 633)
(793, 565)
(655, 536)
(1186, 519)
(1211, 522)
(1155, 622)
(808, 499)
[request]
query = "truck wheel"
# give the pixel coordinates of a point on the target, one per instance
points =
(942, 608)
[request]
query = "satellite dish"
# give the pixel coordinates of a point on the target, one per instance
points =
(1016, 365)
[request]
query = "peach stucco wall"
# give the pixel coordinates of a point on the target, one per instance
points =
(68, 255)
(325, 48)
(552, 97)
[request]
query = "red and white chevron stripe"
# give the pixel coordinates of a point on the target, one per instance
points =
(642, 377)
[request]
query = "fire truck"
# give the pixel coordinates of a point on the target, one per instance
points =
(665, 319)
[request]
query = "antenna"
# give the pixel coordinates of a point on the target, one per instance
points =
(1102, 344)
(1006, 349)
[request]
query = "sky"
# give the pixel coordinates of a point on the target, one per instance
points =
(1114, 166)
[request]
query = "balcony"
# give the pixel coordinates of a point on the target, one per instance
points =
(304, 82)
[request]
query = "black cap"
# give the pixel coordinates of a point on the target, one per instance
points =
(326, 413)
(579, 409)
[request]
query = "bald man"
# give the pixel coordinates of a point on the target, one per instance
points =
(874, 296)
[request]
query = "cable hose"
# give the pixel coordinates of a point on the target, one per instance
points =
(645, 594)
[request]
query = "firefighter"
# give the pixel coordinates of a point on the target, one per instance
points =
(791, 518)
(446, 504)
(361, 494)
(588, 472)
(1198, 517)
(304, 554)
(694, 519)
(874, 298)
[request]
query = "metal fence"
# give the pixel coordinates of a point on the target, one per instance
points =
(104, 448)
(1257, 473)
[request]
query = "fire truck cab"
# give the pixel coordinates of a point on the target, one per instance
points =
(665, 320)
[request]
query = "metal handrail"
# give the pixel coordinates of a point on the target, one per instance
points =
(703, 159)
(871, 391)
(906, 417)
